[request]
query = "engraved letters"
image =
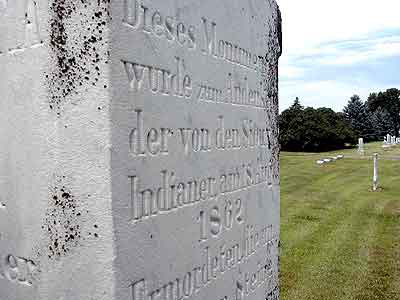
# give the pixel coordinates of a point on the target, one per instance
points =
(180, 84)
(158, 80)
(213, 266)
(174, 193)
(140, 17)
(144, 142)
(226, 50)
(206, 167)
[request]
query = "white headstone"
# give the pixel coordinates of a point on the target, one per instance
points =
(361, 145)
(139, 150)
(375, 178)
(389, 138)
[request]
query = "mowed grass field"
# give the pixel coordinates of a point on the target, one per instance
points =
(339, 239)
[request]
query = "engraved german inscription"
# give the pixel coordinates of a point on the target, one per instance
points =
(174, 193)
(214, 265)
(144, 141)
(200, 179)
(148, 141)
(151, 21)
(159, 80)
(180, 83)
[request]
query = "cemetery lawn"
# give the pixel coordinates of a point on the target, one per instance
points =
(339, 239)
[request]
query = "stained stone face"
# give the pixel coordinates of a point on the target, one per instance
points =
(139, 152)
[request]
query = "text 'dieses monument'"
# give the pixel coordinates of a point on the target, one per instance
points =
(139, 153)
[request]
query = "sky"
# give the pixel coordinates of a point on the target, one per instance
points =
(333, 49)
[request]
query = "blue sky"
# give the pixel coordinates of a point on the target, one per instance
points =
(334, 49)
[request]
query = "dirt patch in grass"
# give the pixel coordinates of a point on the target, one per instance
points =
(392, 208)
(307, 218)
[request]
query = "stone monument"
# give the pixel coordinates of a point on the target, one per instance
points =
(389, 139)
(139, 150)
(375, 178)
(361, 145)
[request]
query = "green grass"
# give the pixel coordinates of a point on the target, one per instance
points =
(340, 240)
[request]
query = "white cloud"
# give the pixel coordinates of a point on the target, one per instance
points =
(352, 52)
(326, 34)
(309, 23)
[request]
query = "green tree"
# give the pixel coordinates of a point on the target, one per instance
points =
(296, 104)
(381, 123)
(309, 129)
(388, 101)
(357, 113)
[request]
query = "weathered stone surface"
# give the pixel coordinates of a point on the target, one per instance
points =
(139, 155)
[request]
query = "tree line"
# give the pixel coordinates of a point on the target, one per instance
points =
(322, 129)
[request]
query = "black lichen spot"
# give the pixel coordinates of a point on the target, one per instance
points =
(75, 52)
(62, 219)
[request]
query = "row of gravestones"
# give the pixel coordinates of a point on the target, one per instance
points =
(387, 142)
(328, 160)
(390, 141)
